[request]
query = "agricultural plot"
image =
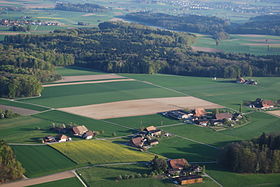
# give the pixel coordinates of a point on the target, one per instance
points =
(100, 152)
(106, 128)
(76, 71)
(174, 147)
(71, 182)
(85, 94)
(22, 105)
(89, 78)
(21, 111)
(139, 107)
(25, 129)
(221, 91)
(253, 44)
(144, 121)
(41, 160)
(275, 112)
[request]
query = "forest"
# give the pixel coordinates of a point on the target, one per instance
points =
(266, 24)
(87, 7)
(132, 48)
(260, 155)
(10, 168)
(23, 70)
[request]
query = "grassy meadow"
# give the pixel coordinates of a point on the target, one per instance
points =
(70, 182)
(22, 105)
(41, 160)
(85, 94)
(76, 71)
(100, 152)
(221, 91)
(253, 44)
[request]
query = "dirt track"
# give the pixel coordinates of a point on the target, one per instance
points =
(89, 78)
(21, 111)
(87, 82)
(261, 44)
(139, 107)
(206, 49)
(275, 112)
(39, 180)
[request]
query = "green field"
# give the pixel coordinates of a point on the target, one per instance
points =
(174, 147)
(92, 124)
(144, 121)
(221, 91)
(85, 94)
(41, 160)
(71, 182)
(100, 152)
(105, 176)
(24, 129)
(22, 105)
(75, 71)
(240, 44)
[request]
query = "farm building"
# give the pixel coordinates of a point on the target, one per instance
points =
(177, 114)
(178, 164)
(155, 133)
(189, 179)
(198, 112)
(88, 135)
(150, 128)
(138, 141)
(265, 104)
(153, 142)
(49, 139)
(79, 130)
(222, 116)
(63, 138)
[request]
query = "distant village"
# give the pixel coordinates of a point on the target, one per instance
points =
(27, 20)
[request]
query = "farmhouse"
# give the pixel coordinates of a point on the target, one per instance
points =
(88, 135)
(155, 133)
(178, 164)
(79, 130)
(153, 142)
(177, 114)
(150, 128)
(49, 139)
(63, 138)
(198, 112)
(222, 116)
(241, 80)
(189, 179)
(265, 104)
(138, 141)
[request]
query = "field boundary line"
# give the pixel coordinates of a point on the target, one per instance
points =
(170, 89)
(219, 184)
(113, 123)
(26, 144)
(171, 125)
(80, 179)
(18, 101)
(197, 141)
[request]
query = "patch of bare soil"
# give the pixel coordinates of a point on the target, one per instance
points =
(87, 82)
(18, 110)
(39, 5)
(89, 77)
(11, 33)
(251, 35)
(89, 14)
(139, 107)
(40, 180)
(264, 40)
(275, 112)
(206, 49)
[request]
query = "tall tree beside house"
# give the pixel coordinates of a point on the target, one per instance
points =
(10, 168)
(159, 164)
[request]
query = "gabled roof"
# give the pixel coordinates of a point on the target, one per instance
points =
(79, 130)
(150, 128)
(266, 103)
(88, 133)
(62, 136)
(137, 141)
(178, 163)
(221, 116)
(199, 112)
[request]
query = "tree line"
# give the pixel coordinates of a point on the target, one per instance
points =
(22, 70)
(86, 7)
(133, 48)
(260, 155)
(217, 27)
(10, 168)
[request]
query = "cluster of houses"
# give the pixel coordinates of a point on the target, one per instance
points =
(199, 116)
(241, 80)
(183, 173)
(78, 131)
(20, 22)
(146, 138)
(262, 104)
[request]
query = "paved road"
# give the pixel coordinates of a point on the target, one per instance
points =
(39, 180)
